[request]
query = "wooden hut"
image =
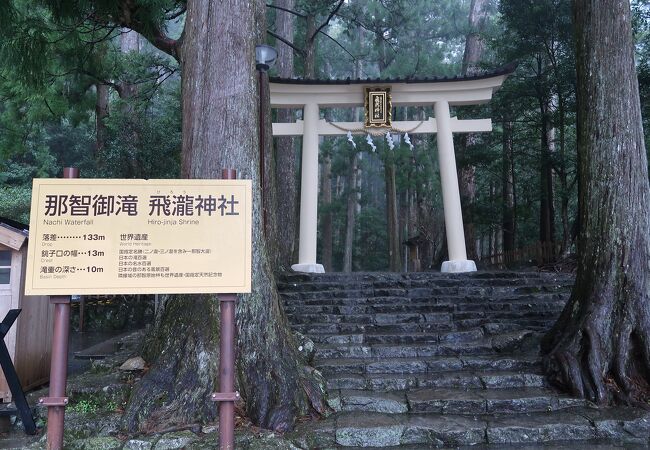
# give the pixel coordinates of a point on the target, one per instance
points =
(29, 339)
(413, 253)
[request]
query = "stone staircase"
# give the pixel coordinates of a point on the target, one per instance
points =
(430, 360)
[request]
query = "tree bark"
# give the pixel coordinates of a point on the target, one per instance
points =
(350, 214)
(563, 176)
(354, 186)
(326, 214)
(478, 14)
(394, 245)
(546, 209)
(129, 43)
(507, 190)
(310, 47)
(286, 211)
(101, 113)
(128, 90)
(220, 130)
(599, 348)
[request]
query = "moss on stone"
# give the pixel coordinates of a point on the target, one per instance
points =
(96, 443)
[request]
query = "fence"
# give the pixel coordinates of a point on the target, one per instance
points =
(538, 253)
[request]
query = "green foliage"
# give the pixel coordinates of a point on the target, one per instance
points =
(144, 138)
(52, 58)
(91, 405)
(15, 202)
(641, 22)
(371, 240)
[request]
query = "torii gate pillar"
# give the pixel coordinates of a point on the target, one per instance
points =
(309, 193)
(458, 261)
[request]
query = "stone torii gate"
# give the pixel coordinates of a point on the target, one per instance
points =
(310, 95)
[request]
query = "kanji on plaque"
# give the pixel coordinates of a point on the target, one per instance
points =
(139, 236)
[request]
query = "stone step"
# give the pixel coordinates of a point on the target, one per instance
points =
(373, 401)
(369, 308)
(379, 319)
(431, 430)
(397, 318)
(544, 323)
(469, 289)
(404, 294)
(425, 279)
(464, 379)
(591, 444)
(399, 337)
(441, 281)
(488, 401)
(313, 330)
(356, 296)
(427, 287)
(362, 366)
(297, 299)
(391, 295)
(430, 307)
(454, 401)
(502, 343)
(340, 293)
(325, 351)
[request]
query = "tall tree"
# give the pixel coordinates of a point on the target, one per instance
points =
(394, 244)
(599, 348)
(538, 35)
(220, 130)
(101, 113)
(326, 219)
(351, 211)
(546, 205)
(220, 111)
(508, 217)
(285, 158)
(285, 164)
(354, 181)
(474, 45)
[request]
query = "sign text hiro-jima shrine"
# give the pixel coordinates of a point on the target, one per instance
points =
(137, 236)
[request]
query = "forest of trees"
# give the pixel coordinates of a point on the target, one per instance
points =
(107, 100)
(104, 98)
(137, 89)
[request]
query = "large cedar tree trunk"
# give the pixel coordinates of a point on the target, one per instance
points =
(128, 91)
(354, 191)
(508, 218)
(285, 161)
(350, 223)
(546, 209)
(129, 43)
(326, 214)
(220, 130)
(394, 244)
(478, 14)
(600, 346)
(101, 114)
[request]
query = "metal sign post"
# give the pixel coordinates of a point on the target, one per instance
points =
(57, 400)
(227, 395)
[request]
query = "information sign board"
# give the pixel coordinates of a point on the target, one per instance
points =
(90, 236)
